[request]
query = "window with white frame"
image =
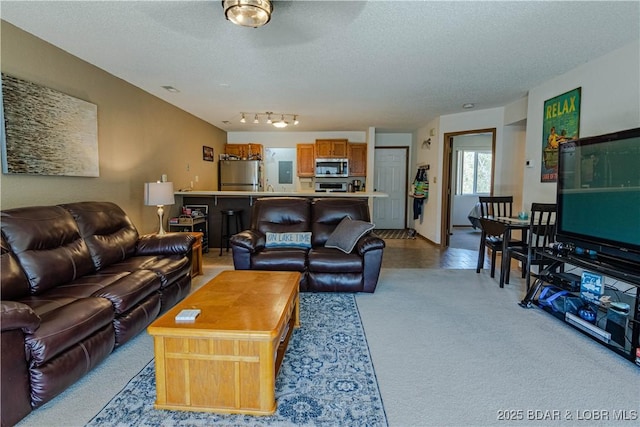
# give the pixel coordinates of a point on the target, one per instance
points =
(474, 172)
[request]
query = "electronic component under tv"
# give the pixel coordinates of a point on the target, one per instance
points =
(598, 197)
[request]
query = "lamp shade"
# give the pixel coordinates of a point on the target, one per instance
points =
(158, 193)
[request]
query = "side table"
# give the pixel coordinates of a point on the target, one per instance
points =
(196, 262)
(196, 250)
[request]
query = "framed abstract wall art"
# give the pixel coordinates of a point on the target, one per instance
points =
(47, 132)
(561, 123)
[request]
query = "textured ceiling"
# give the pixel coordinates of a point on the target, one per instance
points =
(393, 65)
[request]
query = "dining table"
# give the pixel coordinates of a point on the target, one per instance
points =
(510, 224)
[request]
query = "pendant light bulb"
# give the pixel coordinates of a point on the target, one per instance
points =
(281, 123)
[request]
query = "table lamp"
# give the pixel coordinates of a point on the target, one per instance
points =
(159, 194)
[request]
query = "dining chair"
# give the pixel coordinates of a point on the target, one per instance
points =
(493, 232)
(541, 233)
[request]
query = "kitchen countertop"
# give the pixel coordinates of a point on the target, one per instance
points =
(205, 193)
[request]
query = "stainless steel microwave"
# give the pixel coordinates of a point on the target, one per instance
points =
(332, 168)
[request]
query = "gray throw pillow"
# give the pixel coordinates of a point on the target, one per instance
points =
(347, 234)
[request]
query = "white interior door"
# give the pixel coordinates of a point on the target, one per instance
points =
(390, 176)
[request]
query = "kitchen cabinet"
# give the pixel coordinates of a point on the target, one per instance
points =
(357, 159)
(331, 148)
(245, 151)
(256, 152)
(234, 149)
(306, 159)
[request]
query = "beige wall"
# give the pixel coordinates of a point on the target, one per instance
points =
(140, 137)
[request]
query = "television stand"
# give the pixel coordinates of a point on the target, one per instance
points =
(619, 333)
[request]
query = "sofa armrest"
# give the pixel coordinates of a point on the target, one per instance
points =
(369, 242)
(250, 240)
(166, 244)
(244, 245)
(15, 315)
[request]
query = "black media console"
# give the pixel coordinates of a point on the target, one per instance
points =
(558, 292)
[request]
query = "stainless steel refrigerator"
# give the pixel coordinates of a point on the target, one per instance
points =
(240, 175)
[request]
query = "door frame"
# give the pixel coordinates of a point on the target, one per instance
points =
(406, 177)
(445, 213)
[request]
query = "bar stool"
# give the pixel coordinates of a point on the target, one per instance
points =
(228, 215)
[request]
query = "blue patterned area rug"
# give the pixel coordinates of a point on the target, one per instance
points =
(326, 378)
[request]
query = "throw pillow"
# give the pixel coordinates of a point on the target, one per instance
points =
(347, 234)
(288, 240)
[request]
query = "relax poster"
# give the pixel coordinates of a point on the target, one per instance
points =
(561, 123)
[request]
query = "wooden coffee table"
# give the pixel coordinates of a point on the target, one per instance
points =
(228, 358)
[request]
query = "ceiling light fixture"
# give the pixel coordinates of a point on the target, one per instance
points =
(468, 106)
(248, 13)
(283, 122)
(170, 89)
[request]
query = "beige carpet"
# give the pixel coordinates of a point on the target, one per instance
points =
(449, 348)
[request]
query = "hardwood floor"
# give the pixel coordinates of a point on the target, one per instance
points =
(419, 253)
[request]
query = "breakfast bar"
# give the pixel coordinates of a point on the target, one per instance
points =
(218, 201)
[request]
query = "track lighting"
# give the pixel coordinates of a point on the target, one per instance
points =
(285, 118)
(281, 123)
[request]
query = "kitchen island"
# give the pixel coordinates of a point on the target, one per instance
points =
(217, 201)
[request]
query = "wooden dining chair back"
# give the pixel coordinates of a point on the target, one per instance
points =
(542, 231)
(492, 232)
(496, 206)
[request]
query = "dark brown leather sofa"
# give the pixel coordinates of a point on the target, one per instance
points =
(322, 268)
(77, 282)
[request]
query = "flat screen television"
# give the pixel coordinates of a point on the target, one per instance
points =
(598, 197)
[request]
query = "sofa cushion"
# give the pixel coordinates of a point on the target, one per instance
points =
(281, 214)
(47, 243)
(347, 234)
(83, 287)
(128, 291)
(171, 269)
(108, 231)
(66, 326)
(327, 214)
(288, 240)
(327, 260)
(132, 264)
(134, 321)
(14, 283)
(289, 259)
